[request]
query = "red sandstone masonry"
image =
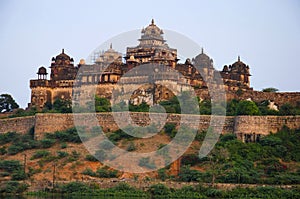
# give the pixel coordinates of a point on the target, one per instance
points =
(19, 124)
(51, 122)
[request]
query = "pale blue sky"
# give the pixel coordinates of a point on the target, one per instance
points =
(266, 34)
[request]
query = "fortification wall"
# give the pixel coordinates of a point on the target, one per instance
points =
(239, 125)
(19, 124)
(279, 98)
(264, 124)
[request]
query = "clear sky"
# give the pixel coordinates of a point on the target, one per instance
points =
(266, 34)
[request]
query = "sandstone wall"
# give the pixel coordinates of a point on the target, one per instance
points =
(264, 124)
(19, 124)
(239, 125)
(279, 98)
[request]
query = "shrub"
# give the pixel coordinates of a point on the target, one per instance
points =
(119, 135)
(106, 173)
(89, 172)
(47, 143)
(62, 154)
(162, 174)
(14, 149)
(74, 187)
(13, 187)
(10, 165)
(270, 90)
(18, 175)
(40, 154)
(190, 159)
(131, 147)
(145, 162)
(123, 187)
(74, 156)
(188, 175)
(169, 129)
(69, 135)
(91, 158)
(63, 145)
(100, 155)
(8, 137)
(245, 107)
(159, 190)
(3, 150)
(227, 137)
(106, 145)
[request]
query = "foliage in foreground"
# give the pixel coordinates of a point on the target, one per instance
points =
(79, 189)
(268, 161)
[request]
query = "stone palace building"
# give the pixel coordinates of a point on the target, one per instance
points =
(110, 66)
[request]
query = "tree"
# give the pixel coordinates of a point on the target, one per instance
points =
(216, 158)
(246, 107)
(7, 103)
(102, 104)
(62, 106)
(287, 109)
(270, 90)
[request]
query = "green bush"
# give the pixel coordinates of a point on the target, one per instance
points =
(10, 165)
(18, 175)
(106, 145)
(89, 172)
(120, 134)
(40, 154)
(245, 107)
(47, 143)
(162, 174)
(63, 145)
(188, 175)
(74, 156)
(13, 187)
(131, 147)
(170, 129)
(3, 150)
(69, 135)
(190, 159)
(159, 190)
(8, 137)
(145, 162)
(124, 187)
(62, 154)
(14, 149)
(106, 173)
(100, 155)
(91, 158)
(75, 187)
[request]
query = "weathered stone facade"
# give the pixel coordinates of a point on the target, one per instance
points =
(109, 68)
(245, 127)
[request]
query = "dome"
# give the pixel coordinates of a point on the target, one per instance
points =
(131, 59)
(152, 33)
(63, 56)
(42, 71)
(82, 62)
(152, 29)
(240, 67)
(203, 60)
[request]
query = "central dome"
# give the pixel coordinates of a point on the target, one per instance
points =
(152, 35)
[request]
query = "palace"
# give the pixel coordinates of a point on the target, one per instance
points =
(109, 67)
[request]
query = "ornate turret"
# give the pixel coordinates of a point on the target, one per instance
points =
(152, 48)
(152, 36)
(42, 73)
(62, 67)
(109, 56)
(203, 61)
(237, 74)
